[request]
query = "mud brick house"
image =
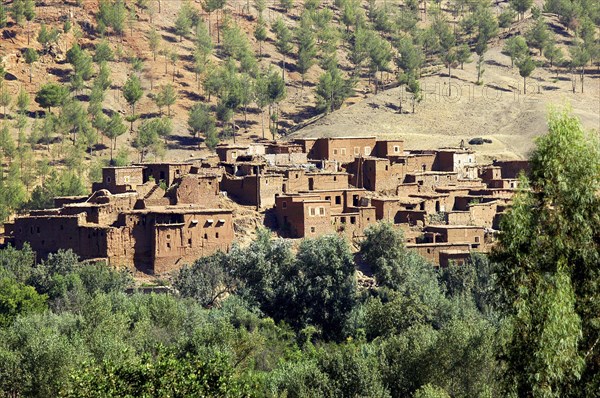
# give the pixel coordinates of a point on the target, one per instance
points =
(135, 223)
(443, 253)
(459, 160)
(310, 214)
(255, 190)
(340, 149)
(120, 179)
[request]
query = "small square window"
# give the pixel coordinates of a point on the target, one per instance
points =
(356, 150)
(338, 200)
(343, 151)
(312, 230)
(367, 150)
(352, 220)
(168, 236)
(321, 211)
(396, 148)
(168, 245)
(335, 151)
(312, 211)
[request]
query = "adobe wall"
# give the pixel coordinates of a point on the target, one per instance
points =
(197, 189)
(456, 257)
(431, 251)
(285, 159)
(48, 234)
(176, 245)
(385, 148)
(512, 168)
(167, 172)
(345, 150)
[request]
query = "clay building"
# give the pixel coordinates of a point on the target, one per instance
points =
(315, 213)
(134, 223)
(166, 173)
(120, 179)
(340, 149)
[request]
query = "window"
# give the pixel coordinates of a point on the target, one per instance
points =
(396, 149)
(234, 155)
(321, 211)
(338, 200)
(477, 239)
(343, 151)
(190, 242)
(367, 150)
(328, 198)
(168, 236)
(386, 167)
(428, 251)
(343, 220)
(352, 220)
(284, 204)
(126, 179)
(296, 175)
(334, 178)
(205, 236)
(168, 245)
(312, 230)
(356, 150)
(312, 211)
(217, 235)
(436, 178)
(335, 151)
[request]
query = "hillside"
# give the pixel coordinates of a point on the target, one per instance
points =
(351, 53)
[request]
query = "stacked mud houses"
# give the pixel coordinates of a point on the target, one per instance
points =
(158, 216)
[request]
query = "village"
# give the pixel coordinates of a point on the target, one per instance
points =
(157, 217)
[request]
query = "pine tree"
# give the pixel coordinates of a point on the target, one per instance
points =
(526, 66)
(31, 56)
(306, 47)
(114, 129)
(132, 91)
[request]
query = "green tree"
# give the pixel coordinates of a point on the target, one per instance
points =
(18, 299)
(553, 53)
(548, 266)
(332, 90)
(132, 91)
(51, 95)
(526, 66)
(114, 129)
(183, 23)
(5, 98)
(306, 47)
(538, 35)
(31, 56)
(320, 289)
(515, 47)
(260, 33)
(148, 139)
(521, 6)
(201, 121)
(154, 41)
(103, 52)
(580, 56)
(409, 62)
(463, 55)
(3, 16)
(23, 101)
(167, 96)
(283, 41)
(431, 391)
